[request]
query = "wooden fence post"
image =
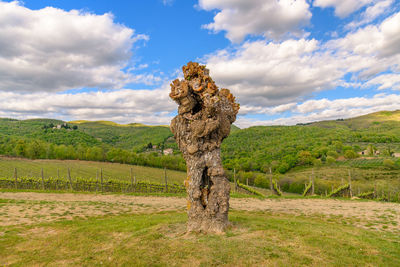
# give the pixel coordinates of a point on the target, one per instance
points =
(375, 191)
(234, 179)
(70, 180)
(247, 181)
(58, 174)
(350, 189)
(131, 180)
(270, 180)
(16, 178)
(97, 179)
(42, 179)
(166, 180)
(101, 179)
(312, 182)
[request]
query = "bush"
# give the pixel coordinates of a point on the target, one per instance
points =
(261, 181)
(350, 154)
(283, 167)
(317, 163)
(389, 164)
(330, 160)
(332, 154)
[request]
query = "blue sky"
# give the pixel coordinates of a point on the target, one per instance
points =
(287, 61)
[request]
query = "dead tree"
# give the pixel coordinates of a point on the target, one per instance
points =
(204, 119)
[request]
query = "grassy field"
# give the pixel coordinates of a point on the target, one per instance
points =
(146, 233)
(85, 169)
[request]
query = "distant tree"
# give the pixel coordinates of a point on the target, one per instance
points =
(20, 149)
(75, 127)
(60, 152)
(330, 160)
(338, 146)
(350, 154)
(35, 150)
(332, 154)
(261, 181)
(283, 167)
(95, 154)
(304, 157)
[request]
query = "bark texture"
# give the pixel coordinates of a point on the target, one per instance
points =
(204, 119)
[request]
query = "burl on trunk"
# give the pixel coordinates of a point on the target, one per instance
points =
(204, 119)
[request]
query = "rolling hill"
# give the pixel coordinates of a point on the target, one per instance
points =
(252, 149)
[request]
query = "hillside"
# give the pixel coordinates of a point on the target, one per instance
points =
(252, 149)
(39, 129)
(126, 136)
(279, 147)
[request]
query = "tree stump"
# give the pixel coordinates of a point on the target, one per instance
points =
(204, 119)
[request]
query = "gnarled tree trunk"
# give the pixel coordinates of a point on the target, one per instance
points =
(205, 115)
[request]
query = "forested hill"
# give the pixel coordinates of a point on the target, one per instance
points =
(251, 149)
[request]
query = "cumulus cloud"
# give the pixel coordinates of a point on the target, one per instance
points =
(123, 106)
(371, 13)
(325, 109)
(270, 74)
(374, 40)
(386, 81)
(343, 8)
(271, 18)
(267, 75)
(54, 50)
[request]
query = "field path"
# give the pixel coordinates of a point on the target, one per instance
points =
(29, 207)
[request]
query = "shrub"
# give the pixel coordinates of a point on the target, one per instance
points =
(261, 181)
(389, 164)
(332, 154)
(330, 160)
(283, 167)
(249, 189)
(317, 162)
(350, 154)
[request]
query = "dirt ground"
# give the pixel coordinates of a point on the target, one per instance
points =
(29, 208)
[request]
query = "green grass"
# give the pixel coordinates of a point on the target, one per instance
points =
(85, 169)
(158, 239)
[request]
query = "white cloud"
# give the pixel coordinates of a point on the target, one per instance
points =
(371, 13)
(123, 106)
(270, 74)
(324, 109)
(266, 75)
(54, 50)
(386, 81)
(271, 18)
(343, 8)
(375, 40)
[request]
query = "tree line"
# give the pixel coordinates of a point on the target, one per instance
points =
(37, 149)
